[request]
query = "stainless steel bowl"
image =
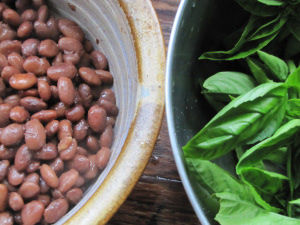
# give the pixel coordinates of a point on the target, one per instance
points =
(199, 25)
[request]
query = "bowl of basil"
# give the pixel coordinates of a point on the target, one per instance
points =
(233, 109)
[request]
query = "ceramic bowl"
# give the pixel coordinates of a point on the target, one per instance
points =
(199, 25)
(129, 34)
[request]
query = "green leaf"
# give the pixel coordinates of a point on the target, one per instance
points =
(294, 26)
(234, 210)
(258, 70)
(276, 65)
(295, 202)
(251, 116)
(272, 2)
(228, 83)
(284, 135)
(257, 8)
(293, 80)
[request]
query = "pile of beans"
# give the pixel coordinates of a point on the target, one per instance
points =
(57, 113)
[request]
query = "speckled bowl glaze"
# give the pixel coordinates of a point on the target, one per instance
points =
(129, 34)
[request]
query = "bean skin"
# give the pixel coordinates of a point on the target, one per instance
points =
(110, 108)
(89, 76)
(29, 190)
(8, 72)
(57, 165)
(33, 104)
(4, 112)
(74, 195)
(44, 199)
(60, 70)
(32, 212)
(103, 156)
(19, 115)
(75, 113)
(48, 48)
(65, 129)
(6, 33)
(93, 170)
(15, 201)
(67, 180)
(29, 15)
(97, 118)
(32, 177)
(45, 116)
(12, 134)
(70, 29)
(4, 166)
(13, 100)
(106, 138)
(33, 166)
(66, 91)
(11, 17)
(55, 210)
(36, 65)
(80, 130)
(14, 177)
(30, 47)
(35, 136)
(70, 45)
(79, 163)
(70, 152)
(22, 158)
(99, 60)
(49, 176)
(105, 76)
(10, 46)
(3, 197)
(22, 81)
(25, 29)
(44, 90)
(52, 128)
(92, 143)
(16, 60)
(48, 152)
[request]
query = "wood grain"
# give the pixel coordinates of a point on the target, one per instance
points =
(159, 196)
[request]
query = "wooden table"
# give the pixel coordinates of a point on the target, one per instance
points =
(159, 197)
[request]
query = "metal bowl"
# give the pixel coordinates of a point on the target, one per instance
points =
(199, 25)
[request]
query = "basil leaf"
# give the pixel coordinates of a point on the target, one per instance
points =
(276, 65)
(258, 8)
(272, 2)
(258, 70)
(254, 115)
(294, 26)
(234, 210)
(228, 83)
(293, 80)
(293, 109)
(284, 135)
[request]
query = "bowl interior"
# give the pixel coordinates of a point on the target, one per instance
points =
(106, 26)
(200, 25)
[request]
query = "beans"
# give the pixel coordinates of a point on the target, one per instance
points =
(6, 218)
(48, 152)
(9, 46)
(3, 197)
(33, 166)
(15, 201)
(29, 15)
(66, 91)
(70, 45)
(8, 72)
(61, 70)
(110, 108)
(14, 177)
(18, 114)
(4, 112)
(52, 128)
(49, 176)
(55, 210)
(36, 65)
(57, 165)
(25, 29)
(97, 118)
(22, 81)
(13, 100)
(105, 76)
(85, 94)
(33, 104)
(12, 134)
(43, 13)
(79, 163)
(4, 166)
(69, 153)
(93, 170)
(99, 60)
(32, 212)
(44, 199)
(15, 59)
(80, 130)
(103, 156)
(32, 177)
(106, 138)
(89, 76)
(45, 116)
(65, 129)
(48, 48)
(22, 158)
(6, 33)
(74, 195)
(67, 180)
(30, 47)
(7, 152)
(92, 143)
(75, 113)
(44, 90)
(3, 62)
(35, 136)
(11, 17)
(70, 29)
(29, 190)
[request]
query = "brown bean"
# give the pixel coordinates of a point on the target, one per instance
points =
(65, 129)
(56, 194)
(15, 201)
(84, 61)
(79, 163)
(7, 153)
(18, 114)
(92, 143)
(52, 25)
(13, 100)
(80, 130)
(67, 180)
(32, 177)
(2, 88)
(36, 65)
(48, 152)
(33, 104)
(6, 33)
(58, 59)
(17, 218)
(103, 156)
(11, 17)
(49, 176)
(3, 62)
(48, 48)
(61, 70)
(29, 15)
(41, 30)
(54, 92)
(72, 58)
(4, 166)
(45, 116)
(93, 170)
(32, 212)
(44, 199)
(70, 45)
(110, 108)
(88, 46)
(89, 76)
(29, 190)
(85, 94)
(81, 151)
(22, 81)
(3, 197)
(30, 47)
(66, 91)
(9, 46)
(97, 118)
(75, 113)
(22, 5)
(4, 112)
(33, 92)
(70, 152)
(9, 187)
(14, 176)
(105, 76)
(74, 195)
(57, 165)
(44, 90)
(108, 95)
(70, 29)
(99, 60)
(55, 210)
(80, 181)
(15, 59)
(8, 72)
(64, 143)
(25, 29)
(35, 136)
(106, 138)
(52, 128)
(22, 158)
(44, 188)
(6, 218)
(33, 166)
(12, 134)
(43, 13)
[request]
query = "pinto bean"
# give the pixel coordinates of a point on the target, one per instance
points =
(18, 114)
(33, 104)
(36, 65)
(15, 201)
(70, 29)
(4, 112)
(43, 13)
(85, 94)
(44, 90)
(57, 165)
(4, 166)
(80, 130)
(25, 29)
(66, 91)
(22, 158)
(49, 176)
(6, 33)
(12, 134)
(13, 100)
(11, 17)
(10, 46)
(103, 156)
(32, 177)
(67, 180)
(97, 118)
(32, 212)
(52, 128)
(33, 166)
(48, 48)
(35, 136)
(90, 76)
(45, 116)
(7, 153)
(8, 72)
(92, 143)
(16, 60)
(65, 129)
(55, 210)
(75, 113)
(70, 152)
(30, 47)
(110, 108)
(105, 76)
(60, 70)
(106, 138)
(93, 170)
(3, 197)
(22, 81)
(99, 60)
(14, 176)
(29, 15)
(74, 195)
(48, 152)
(44, 199)
(79, 163)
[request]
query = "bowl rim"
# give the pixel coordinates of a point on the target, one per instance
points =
(139, 144)
(170, 118)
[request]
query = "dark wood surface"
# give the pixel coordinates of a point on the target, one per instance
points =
(159, 196)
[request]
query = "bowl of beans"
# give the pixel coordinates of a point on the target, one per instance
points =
(81, 104)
